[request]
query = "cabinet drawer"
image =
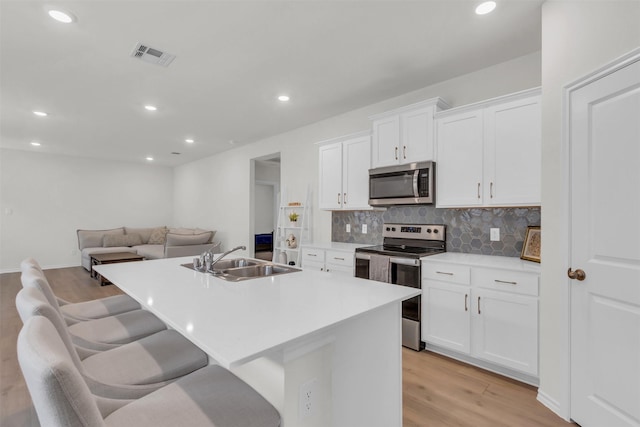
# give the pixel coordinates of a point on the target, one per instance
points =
(507, 281)
(311, 254)
(452, 273)
(339, 258)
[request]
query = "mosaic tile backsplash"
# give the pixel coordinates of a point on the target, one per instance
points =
(467, 229)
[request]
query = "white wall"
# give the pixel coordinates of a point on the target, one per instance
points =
(228, 174)
(44, 198)
(577, 38)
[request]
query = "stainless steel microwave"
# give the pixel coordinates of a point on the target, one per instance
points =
(410, 184)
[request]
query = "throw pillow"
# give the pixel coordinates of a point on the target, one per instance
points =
(145, 233)
(93, 238)
(112, 240)
(188, 239)
(158, 236)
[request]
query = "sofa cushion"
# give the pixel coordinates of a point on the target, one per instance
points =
(150, 251)
(158, 236)
(188, 239)
(145, 233)
(93, 238)
(111, 240)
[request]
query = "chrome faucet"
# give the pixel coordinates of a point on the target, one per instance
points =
(209, 263)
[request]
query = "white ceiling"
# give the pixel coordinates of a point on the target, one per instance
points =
(233, 59)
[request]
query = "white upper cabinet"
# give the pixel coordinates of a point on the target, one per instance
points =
(460, 159)
(344, 172)
(405, 135)
(513, 152)
(489, 153)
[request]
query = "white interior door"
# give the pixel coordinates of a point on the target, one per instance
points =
(605, 243)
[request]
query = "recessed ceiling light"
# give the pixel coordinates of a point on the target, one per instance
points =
(150, 107)
(40, 113)
(149, 159)
(35, 143)
(189, 141)
(62, 16)
(283, 98)
(486, 7)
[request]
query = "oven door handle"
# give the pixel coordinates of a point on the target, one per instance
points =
(405, 261)
(363, 256)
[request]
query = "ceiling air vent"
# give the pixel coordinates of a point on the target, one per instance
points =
(151, 55)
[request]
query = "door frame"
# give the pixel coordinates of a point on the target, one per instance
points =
(563, 408)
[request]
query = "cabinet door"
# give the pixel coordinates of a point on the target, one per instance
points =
(312, 265)
(460, 157)
(356, 161)
(512, 153)
(386, 141)
(446, 316)
(505, 329)
(330, 180)
(417, 135)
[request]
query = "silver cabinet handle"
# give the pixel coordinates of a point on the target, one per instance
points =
(478, 190)
(312, 255)
(338, 198)
(504, 281)
(396, 155)
(344, 198)
(479, 305)
(339, 259)
(466, 307)
(404, 152)
(444, 272)
(491, 190)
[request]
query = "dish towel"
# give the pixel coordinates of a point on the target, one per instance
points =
(379, 268)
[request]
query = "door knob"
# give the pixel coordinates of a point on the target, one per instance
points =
(578, 274)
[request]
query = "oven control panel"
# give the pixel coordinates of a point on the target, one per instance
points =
(414, 231)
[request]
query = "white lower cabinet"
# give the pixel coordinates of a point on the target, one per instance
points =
(446, 321)
(485, 316)
(329, 260)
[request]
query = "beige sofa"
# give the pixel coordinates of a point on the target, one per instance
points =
(151, 243)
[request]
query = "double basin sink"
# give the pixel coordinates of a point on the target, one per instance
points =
(237, 269)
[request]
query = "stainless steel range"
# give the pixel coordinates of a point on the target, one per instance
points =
(397, 261)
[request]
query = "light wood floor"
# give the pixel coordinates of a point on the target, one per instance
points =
(437, 391)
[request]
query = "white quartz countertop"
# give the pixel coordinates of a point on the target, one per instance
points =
(336, 246)
(235, 322)
(487, 261)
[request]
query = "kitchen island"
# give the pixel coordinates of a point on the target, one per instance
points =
(337, 338)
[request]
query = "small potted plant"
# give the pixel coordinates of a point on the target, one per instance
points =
(293, 217)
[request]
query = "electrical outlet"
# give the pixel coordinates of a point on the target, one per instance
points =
(306, 398)
(495, 235)
(364, 228)
(348, 228)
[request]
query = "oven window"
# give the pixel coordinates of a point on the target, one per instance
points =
(408, 275)
(405, 275)
(362, 268)
(393, 185)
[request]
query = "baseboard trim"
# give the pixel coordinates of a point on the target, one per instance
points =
(44, 267)
(552, 404)
(501, 370)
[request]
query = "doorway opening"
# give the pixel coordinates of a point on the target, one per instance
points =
(265, 193)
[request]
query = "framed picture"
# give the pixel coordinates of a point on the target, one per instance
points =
(531, 247)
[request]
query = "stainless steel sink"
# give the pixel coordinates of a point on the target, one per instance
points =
(255, 271)
(224, 264)
(236, 269)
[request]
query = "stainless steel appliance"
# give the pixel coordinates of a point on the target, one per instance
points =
(410, 184)
(397, 261)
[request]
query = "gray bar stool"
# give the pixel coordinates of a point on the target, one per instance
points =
(129, 371)
(211, 396)
(81, 311)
